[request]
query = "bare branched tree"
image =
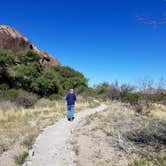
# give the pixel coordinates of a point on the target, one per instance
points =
(161, 84)
(145, 84)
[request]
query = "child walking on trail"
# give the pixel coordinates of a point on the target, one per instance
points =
(70, 99)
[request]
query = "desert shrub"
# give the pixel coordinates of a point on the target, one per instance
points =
(55, 97)
(25, 99)
(150, 161)
(126, 89)
(157, 97)
(85, 92)
(4, 87)
(132, 98)
(19, 97)
(10, 94)
(90, 92)
(104, 90)
(19, 159)
(44, 103)
(113, 91)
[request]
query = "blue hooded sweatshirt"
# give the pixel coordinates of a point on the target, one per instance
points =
(71, 98)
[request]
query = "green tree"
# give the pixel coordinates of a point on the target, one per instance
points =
(70, 78)
(25, 75)
(47, 83)
(104, 90)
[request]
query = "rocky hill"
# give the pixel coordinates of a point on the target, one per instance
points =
(13, 40)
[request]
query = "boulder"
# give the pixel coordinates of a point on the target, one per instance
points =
(11, 39)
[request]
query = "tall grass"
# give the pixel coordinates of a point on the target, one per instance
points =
(19, 126)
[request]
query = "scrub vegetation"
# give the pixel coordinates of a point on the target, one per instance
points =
(120, 136)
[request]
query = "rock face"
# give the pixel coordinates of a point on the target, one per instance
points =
(11, 39)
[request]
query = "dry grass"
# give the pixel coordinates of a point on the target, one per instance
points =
(19, 127)
(158, 111)
(120, 136)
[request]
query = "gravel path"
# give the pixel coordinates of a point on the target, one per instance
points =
(53, 147)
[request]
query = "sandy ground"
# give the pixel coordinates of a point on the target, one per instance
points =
(54, 146)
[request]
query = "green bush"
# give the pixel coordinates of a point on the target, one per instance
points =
(47, 83)
(105, 91)
(10, 94)
(150, 161)
(20, 159)
(27, 57)
(84, 91)
(131, 98)
(157, 97)
(4, 87)
(6, 58)
(70, 78)
(25, 75)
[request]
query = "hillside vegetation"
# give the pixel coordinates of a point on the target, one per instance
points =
(22, 71)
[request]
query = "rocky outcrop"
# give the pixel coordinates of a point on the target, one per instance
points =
(13, 40)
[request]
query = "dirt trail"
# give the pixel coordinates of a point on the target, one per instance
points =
(53, 147)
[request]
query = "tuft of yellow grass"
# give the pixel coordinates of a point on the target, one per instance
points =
(158, 111)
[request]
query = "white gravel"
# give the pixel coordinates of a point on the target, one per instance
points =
(53, 147)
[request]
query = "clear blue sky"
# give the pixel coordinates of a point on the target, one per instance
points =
(100, 38)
